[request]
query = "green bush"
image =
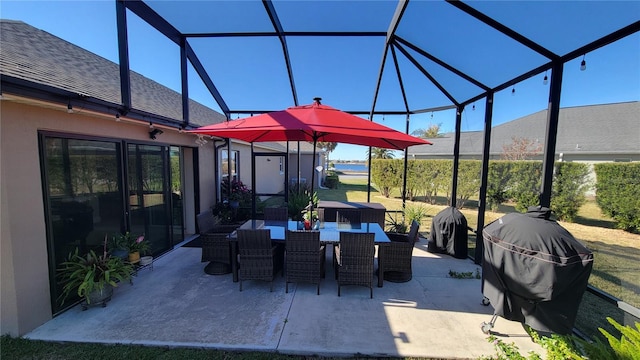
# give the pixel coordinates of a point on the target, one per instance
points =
(386, 174)
(525, 183)
(498, 180)
(569, 186)
(331, 181)
(468, 181)
(618, 193)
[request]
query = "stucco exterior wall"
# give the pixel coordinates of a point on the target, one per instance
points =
(25, 296)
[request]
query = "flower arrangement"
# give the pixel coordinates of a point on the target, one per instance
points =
(239, 191)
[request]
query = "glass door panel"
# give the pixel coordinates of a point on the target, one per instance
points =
(175, 159)
(83, 197)
(148, 200)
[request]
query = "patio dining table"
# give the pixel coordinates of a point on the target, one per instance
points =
(329, 234)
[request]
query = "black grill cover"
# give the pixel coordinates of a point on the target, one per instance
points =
(449, 233)
(534, 271)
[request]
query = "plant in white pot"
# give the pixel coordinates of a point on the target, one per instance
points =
(92, 276)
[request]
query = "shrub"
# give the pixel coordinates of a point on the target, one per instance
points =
(331, 181)
(618, 193)
(569, 185)
(498, 180)
(525, 184)
(386, 174)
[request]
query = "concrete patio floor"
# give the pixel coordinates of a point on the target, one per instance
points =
(176, 304)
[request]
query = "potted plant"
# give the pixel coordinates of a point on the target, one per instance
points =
(119, 246)
(136, 245)
(92, 276)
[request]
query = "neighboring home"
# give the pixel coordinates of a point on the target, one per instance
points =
(77, 166)
(593, 133)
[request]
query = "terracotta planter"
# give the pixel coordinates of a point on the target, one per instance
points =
(134, 257)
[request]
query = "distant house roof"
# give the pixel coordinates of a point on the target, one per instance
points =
(592, 129)
(281, 146)
(37, 56)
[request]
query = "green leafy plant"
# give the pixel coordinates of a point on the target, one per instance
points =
(508, 351)
(299, 198)
(625, 348)
(465, 274)
(133, 243)
(86, 273)
(415, 212)
(394, 225)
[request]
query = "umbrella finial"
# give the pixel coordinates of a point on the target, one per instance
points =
(316, 100)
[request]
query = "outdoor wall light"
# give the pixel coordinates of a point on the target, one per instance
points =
(69, 108)
(150, 125)
(583, 64)
(154, 132)
(117, 117)
(200, 140)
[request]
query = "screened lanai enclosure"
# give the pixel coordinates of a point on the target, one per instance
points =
(406, 64)
(405, 60)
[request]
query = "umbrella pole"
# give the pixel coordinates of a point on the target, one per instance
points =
(313, 169)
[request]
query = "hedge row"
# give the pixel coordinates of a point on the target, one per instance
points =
(618, 188)
(519, 181)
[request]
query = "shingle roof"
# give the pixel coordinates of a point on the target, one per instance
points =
(35, 55)
(595, 129)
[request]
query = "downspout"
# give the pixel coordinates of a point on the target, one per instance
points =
(216, 173)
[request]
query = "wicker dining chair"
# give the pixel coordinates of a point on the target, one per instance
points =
(354, 260)
(398, 254)
(215, 246)
(349, 218)
(305, 258)
(275, 215)
(259, 258)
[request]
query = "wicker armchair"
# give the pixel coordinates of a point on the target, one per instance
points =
(305, 258)
(349, 218)
(276, 215)
(354, 260)
(398, 254)
(259, 258)
(215, 246)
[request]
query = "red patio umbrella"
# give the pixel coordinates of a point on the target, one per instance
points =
(312, 123)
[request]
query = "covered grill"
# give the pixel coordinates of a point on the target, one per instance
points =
(449, 233)
(534, 271)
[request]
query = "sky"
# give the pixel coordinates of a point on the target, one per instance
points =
(612, 75)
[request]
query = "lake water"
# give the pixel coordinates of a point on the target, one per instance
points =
(351, 167)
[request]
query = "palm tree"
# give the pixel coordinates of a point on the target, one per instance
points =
(381, 153)
(328, 147)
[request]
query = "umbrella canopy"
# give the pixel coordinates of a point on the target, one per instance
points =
(312, 123)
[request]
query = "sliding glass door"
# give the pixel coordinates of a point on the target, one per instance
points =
(83, 198)
(96, 188)
(148, 194)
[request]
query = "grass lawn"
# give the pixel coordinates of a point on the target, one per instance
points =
(17, 348)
